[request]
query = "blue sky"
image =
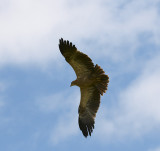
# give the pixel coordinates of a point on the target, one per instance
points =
(39, 109)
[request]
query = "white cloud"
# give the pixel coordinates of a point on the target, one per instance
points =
(66, 127)
(3, 118)
(58, 101)
(3, 86)
(155, 149)
(137, 111)
(25, 31)
(30, 29)
(65, 104)
(1, 103)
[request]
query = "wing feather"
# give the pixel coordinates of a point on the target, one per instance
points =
(90, 101)
(79, 61)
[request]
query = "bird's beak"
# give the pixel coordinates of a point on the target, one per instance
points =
(71, 85)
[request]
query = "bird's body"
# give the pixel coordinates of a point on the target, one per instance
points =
(84, 81)
(92, 82)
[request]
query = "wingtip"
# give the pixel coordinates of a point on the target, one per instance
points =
(60, 40)
(66, 43)
(86, 128)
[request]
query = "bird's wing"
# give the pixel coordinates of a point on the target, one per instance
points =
(79, 61)
(90, 101)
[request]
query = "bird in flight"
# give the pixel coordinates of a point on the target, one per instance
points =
(91, 79)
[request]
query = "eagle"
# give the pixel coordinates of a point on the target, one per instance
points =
(91, 79)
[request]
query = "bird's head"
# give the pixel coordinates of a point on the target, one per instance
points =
(73, 83)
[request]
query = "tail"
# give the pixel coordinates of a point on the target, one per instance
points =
(102, 79)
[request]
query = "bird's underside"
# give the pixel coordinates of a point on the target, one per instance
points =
(92, 81)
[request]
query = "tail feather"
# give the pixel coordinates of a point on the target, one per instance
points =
(102, 79)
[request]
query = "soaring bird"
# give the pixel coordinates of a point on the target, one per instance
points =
(91, 79)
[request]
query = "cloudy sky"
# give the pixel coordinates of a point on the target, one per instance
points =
(38, 109)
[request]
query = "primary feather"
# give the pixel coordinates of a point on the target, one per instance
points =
(92, 81)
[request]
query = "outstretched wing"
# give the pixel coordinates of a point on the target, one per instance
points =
(90, 101)
(79, 61)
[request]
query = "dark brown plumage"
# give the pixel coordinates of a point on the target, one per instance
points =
(92, 81)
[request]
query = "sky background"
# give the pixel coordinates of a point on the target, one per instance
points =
(39, 109)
